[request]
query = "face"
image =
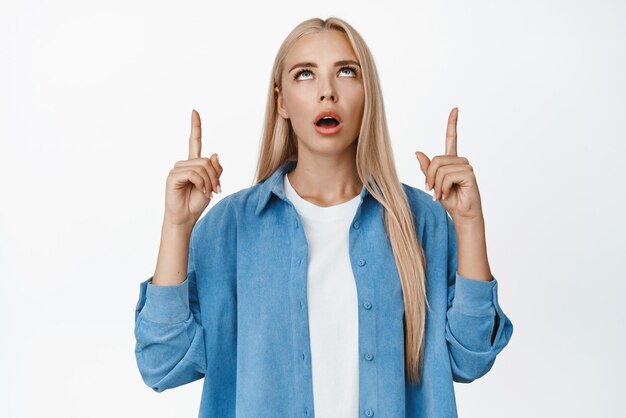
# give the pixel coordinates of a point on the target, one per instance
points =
(322, 73)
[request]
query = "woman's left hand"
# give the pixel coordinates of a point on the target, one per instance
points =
(453, 179)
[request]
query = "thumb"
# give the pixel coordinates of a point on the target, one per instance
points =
(423, 160)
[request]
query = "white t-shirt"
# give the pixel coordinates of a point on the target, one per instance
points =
(332, 305)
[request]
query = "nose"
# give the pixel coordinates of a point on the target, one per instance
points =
(328, 91)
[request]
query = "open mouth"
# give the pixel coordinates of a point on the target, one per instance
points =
(327, 121)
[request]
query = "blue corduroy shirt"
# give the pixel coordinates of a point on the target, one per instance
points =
(239, 320)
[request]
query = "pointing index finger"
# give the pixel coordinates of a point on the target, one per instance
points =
(451, 132)
(195, 139)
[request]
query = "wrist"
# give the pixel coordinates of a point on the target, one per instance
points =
(177, 229)
(475, 223)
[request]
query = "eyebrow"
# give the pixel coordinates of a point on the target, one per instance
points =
(314, 65)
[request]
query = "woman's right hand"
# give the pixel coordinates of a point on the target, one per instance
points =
(191, 183)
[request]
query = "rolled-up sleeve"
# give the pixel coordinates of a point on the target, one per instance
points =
(164, 304)
(477, 329)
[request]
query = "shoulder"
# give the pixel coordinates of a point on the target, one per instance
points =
(433, 224)
(230, 208)
(424, 208)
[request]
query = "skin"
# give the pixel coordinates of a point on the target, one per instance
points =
(326, 170)
(453, 181)
(189, 189)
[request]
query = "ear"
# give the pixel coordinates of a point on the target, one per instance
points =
(280, 104)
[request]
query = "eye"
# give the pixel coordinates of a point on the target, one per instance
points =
(354, 70)
(304, 70)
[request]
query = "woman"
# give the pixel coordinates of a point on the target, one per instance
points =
(329, 285)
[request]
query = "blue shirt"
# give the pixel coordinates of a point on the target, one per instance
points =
(239, 320)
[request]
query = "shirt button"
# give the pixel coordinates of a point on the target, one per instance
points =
(369, 413)
(369, 356)
(301, 305)
(303, 356)
(299, 261)
(356, 225)
(306, 412)
(361, 262)
(367, 305)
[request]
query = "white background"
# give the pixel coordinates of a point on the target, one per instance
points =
(95, 110)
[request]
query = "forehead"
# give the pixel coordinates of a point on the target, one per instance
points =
(329, 45)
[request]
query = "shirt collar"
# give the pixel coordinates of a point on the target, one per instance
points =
(274, 184)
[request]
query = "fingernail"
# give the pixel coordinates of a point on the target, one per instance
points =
(427, 187)
(217, 157)
(219, 188)
(443, 196)
(434, 197)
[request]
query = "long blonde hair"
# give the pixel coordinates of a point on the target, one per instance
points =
(376, 170)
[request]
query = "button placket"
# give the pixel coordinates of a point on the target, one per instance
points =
(299, 294)
(369, 338)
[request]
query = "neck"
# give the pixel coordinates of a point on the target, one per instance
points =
(326, 182)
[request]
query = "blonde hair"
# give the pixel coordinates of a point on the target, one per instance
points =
(376, 170)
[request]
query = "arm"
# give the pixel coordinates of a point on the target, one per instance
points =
(170, 348)
(173, 258)
(472, 250)
(476, 329)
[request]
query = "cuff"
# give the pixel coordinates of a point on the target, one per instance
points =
(164, 304)
(475, 297)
